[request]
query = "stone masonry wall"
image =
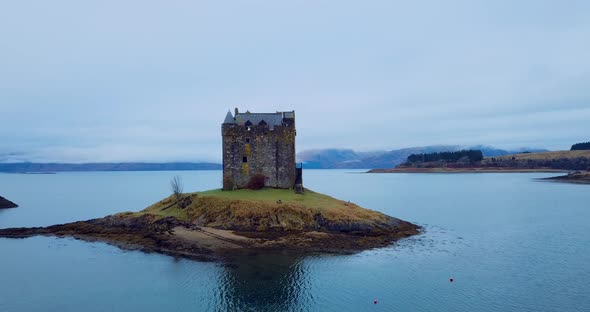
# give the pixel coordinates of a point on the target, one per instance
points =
(268, 152)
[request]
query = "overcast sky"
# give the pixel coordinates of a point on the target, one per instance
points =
(89, 81)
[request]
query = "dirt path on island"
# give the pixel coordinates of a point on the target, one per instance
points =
(213, 238)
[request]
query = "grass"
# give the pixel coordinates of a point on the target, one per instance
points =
(260, 209)
(547, 155)
(310, 198)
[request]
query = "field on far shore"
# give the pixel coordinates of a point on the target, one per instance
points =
(461, 170)
(546, 155)
(524, 162)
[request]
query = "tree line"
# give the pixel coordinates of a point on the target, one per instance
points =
(581, 146)
(468, 155)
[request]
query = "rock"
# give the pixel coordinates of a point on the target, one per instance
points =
(5, 203)
(149, 233)
(582, 177)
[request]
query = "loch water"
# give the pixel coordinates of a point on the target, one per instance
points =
(509, 241)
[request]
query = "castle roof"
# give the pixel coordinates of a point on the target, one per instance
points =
(259, 119)
(271, 119)
(229, 119)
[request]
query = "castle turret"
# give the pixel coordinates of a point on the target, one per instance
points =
(229, 119)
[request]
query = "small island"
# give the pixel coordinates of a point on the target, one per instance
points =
(213, 224)
(262, 206)
(5, 203)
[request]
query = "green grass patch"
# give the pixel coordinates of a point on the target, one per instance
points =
(241, 207)
(272, 195)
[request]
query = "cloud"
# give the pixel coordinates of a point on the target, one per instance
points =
(147, 80)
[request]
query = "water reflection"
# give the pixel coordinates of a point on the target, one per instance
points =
(264, 282)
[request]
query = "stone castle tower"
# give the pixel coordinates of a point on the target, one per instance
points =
(260, 143)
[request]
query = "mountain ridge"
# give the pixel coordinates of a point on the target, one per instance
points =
(332, 158)
(30, 167)
(328, 158)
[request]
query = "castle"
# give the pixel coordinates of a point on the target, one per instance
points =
(260, 144)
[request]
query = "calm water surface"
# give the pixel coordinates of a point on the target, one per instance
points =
(511, 244)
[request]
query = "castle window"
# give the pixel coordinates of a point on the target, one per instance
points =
(247, 140)
(248, 123)
(245, 159)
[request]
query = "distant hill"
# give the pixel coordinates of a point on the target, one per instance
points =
(349, 159)
(557, 160)
(464, 156)
(312, 159)
(553, 155)
(330, 159)
(455, 162)
(28, 167)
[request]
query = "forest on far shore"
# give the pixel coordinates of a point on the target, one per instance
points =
(452, 157)
(581, 146)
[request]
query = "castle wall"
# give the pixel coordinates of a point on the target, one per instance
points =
(268, 152)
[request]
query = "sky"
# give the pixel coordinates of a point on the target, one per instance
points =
(101, 81)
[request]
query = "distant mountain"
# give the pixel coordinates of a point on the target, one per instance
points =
(28, 167)
(330, 158)
(349, 159)
(312, 159)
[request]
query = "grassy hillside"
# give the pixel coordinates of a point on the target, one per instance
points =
(548, 155)
(265, 209)
(559, 160)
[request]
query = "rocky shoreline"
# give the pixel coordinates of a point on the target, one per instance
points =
(216, 224)
(462, 170)
(580, 177)
(178, 238)
(5, 203)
